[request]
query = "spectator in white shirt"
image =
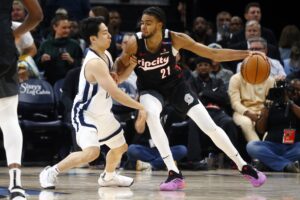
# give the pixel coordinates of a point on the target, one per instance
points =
(260, 44)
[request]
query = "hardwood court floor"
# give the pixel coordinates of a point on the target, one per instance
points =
(81, 184)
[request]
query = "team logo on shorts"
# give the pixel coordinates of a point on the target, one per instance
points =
(188, 98)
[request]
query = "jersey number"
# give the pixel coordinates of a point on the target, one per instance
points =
(165, 72)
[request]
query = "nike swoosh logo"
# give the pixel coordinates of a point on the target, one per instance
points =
(214, 89)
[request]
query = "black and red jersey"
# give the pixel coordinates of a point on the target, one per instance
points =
(157, 71)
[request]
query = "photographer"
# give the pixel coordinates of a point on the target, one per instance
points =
(280, 119)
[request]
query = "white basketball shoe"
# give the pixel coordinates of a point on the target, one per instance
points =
(48, 178)
(117, 180)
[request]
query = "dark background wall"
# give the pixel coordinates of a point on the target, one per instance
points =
(275, 14)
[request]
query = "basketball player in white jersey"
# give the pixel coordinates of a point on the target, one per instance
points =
(91, 115)
(9, 88)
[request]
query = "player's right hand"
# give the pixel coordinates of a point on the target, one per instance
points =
(133, 60)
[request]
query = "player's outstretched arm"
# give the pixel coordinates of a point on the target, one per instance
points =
(125, 64)
(183, 41)
(97, 71)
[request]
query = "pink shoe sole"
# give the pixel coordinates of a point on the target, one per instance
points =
(176, 184)
(257, 182)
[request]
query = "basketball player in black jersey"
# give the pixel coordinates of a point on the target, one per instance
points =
(159, 80)
(12, 135)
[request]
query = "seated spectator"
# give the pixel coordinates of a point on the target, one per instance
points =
(217, 68)
(253, 12)
(280, 120)
(212, 93)
(289, 35)
(56, 56)
(144, 151)
(292, 64)
(247, 100)
(114, 27)
(260, 44)
(253, 30)
(236, 25)
(223, 34)
(74, 34)
(18, 12)
(199, 34)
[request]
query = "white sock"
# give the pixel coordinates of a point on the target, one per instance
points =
(161, 142)
(171, 164)
(14, 178)
(109, 175)
(238, 160)
(201, 117)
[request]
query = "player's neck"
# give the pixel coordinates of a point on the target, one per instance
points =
(154, 42)
(99, 51)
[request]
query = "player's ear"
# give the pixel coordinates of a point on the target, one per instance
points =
(93, 38)
(160, 24)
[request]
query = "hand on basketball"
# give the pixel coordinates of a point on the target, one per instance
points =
(140, 123)
(259, 53)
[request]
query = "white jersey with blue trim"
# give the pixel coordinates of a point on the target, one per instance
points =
(91, 97)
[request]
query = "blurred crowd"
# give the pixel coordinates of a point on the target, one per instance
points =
(262, 120)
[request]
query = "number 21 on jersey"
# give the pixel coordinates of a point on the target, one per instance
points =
(165, 72)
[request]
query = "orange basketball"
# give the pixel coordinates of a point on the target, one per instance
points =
(255, 69)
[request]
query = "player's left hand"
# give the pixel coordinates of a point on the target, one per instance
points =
(258, 53)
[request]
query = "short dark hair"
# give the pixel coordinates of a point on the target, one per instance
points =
(157, 12)
(90, 27)
(251, 4)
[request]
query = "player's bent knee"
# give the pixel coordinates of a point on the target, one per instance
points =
(90, 154)
(120, 150)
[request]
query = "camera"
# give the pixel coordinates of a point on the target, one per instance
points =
(278, 94)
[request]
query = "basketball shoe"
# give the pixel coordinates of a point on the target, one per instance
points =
(48, 178)
(117, 180)
(175, 181)
(17, 193)
(255, 177)
(143, 166)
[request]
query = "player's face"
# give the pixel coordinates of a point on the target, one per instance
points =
(103, 37)
(149, 25)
